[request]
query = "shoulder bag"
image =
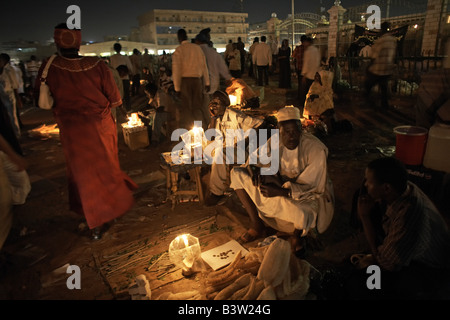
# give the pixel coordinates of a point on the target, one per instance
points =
(45, 97)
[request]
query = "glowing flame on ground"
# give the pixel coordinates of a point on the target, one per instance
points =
(133, 121)
(184, 250)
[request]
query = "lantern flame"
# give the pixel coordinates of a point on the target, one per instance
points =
(133, 121)
(184, 250)
(233, 100)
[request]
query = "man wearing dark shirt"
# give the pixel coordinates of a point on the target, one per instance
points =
(409, 240)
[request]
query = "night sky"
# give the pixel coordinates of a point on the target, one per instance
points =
(35, 20)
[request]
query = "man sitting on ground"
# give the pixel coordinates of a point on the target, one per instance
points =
(222, 119)
(299, 197)
(408, 238)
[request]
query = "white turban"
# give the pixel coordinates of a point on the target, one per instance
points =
(288, 113)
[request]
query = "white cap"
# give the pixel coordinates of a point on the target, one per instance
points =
(288, 113)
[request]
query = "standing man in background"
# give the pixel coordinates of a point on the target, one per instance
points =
(136, 61)
(262, 58)
(251, 71)
(382, 65)
(243, 54)
(119, 59)
(298, 59)
(190, 78)
(10, 83)
(311, 65)
(228, 50)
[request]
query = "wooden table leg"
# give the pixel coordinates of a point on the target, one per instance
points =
(174, 187)
(168, 184)
(198, 183)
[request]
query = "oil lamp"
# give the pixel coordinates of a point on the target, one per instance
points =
(233, 100)
(184, 250)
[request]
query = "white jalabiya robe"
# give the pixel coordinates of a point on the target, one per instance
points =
(304, 171)
(231, 120)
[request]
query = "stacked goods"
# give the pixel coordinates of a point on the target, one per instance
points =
(267, 273)
(186, 295)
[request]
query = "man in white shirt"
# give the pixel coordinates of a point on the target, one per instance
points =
(228, 50)
(190, 78)
(311, 65)
(251, 50)
(382, 66)
(117, 60)
(217, 67)
(147, 61)
(262, 58)
(10, 83)
(32, 68)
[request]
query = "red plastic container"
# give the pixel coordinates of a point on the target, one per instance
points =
(411, 143)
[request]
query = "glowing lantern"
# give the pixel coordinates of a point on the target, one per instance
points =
(184, 250)
(233, 100)
(239, 94)
(135, 132)
(133, 121)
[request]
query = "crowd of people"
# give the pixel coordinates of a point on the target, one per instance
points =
(406, 233)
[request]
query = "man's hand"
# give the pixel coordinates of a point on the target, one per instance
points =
(272, 190)
(256, 176)
(207, 88)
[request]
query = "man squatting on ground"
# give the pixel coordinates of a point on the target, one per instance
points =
(299, 197)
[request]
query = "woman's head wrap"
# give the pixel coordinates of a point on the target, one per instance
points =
(67, 38)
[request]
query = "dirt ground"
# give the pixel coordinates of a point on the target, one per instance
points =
(47, 236)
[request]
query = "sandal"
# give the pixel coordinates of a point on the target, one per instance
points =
(248, 236)
(98, 232)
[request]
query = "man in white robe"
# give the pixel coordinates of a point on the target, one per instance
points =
(299, 197)
(223, 119)
(10, 83)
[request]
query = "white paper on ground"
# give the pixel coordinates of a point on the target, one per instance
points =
(220, 256)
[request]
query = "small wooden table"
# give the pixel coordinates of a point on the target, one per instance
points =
(172, 172)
